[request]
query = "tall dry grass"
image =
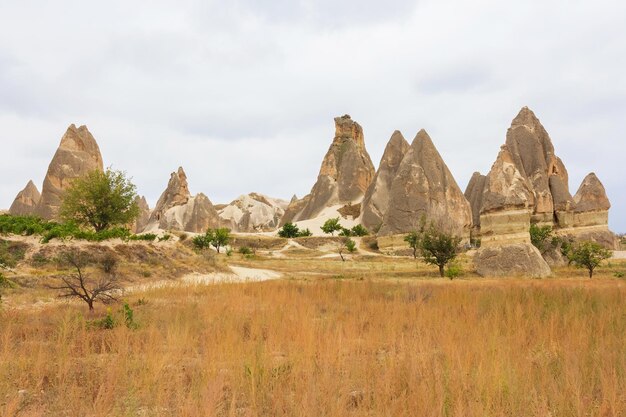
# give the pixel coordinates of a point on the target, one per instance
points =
(328, 348)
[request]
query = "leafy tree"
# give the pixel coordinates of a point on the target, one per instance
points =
(80, 285)
(360, 231)
(201, 242)
(413, 239)
(438, 247)
(289, 230)
(331, 226)
(588, 255)
(100, 200)
(346, 244)
(541, 237)
(218, 237)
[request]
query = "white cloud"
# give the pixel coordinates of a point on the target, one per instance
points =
(242, 93)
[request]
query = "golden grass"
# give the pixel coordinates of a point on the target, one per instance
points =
(329, 348)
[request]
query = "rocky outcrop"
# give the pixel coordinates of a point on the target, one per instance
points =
(144, 215)
(26, 201)
(521, 259)
(474, 195)
(346, 171)
(253, 213)
(178, 210)
(424, 186)
(294, 208)
(77, 155)
(376, 199)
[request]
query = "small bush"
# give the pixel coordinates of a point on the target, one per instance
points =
(454, 271)
(245, 250)
(201, 242)
(305, 233)
(289, 230)
(618, 274)
(108, 322)
(146, 237)
(108, 263)
(165, 238)
(129, 317)
(359, 231)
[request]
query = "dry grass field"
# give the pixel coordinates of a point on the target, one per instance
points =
(368, 337)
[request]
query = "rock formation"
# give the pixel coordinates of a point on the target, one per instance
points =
(178, 210)
(528, 184)
(346, 171)
(376, 200)
(253, 213)
(424, 186)
(144, 215)
(474, 195)
(77, 155)
(26, 201)
(517, 259)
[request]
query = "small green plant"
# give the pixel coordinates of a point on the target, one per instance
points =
(331, 226)
(129, 317)
(305, 233)
(359, 231)
(5, 283)
(289, 230)
(618, 274)
(541, 237)
(108, 322)
(345, 232)
(246, 250)
(165, 237)
(146, 237)
(454, 271)
(229, 252)
(588, 255)
(201, 242)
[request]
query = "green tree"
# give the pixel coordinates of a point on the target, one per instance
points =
(438, 247)
(360, 231)
(345, 232)
(100, 200)
(201, 242)
(289, 230)
(413, 239)
(331, 226)
(346, 244)
(588, 255)
(541, 237)
(218, 237)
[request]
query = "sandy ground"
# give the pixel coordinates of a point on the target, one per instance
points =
(238, 274)
(619, 254)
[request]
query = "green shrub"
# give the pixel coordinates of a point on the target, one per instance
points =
(541, 237)
(201, 242)
(345, 232)
(305, 233)
(108, 322)
(588, 255)
(454, 270)
(165, 238)
(331, 226)
(129, 317)
(147, 237)
(289, 230)
(618, 274)
(245, 250)
(360, 231)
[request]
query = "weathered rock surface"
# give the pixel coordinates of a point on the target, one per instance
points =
(294, 208)
(178, 210)
(533, 155)
(26, 201)
(346, 171)
(77, 155)
(591, 195)
(254, 213)
(144, 215)
(424, 186)
(521, 259)
(376, 199)
(474, 195)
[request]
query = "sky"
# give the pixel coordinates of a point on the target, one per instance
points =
(243, 93)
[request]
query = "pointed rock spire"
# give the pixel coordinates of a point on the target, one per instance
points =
(591, 195)
(346, 170)
(77, 155)
(474, 194)
(26, 201)
(424, 186)
(376, 199)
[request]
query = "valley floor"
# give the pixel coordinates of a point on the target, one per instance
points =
(312, 336)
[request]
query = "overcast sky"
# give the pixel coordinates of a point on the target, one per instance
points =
(242, 93)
